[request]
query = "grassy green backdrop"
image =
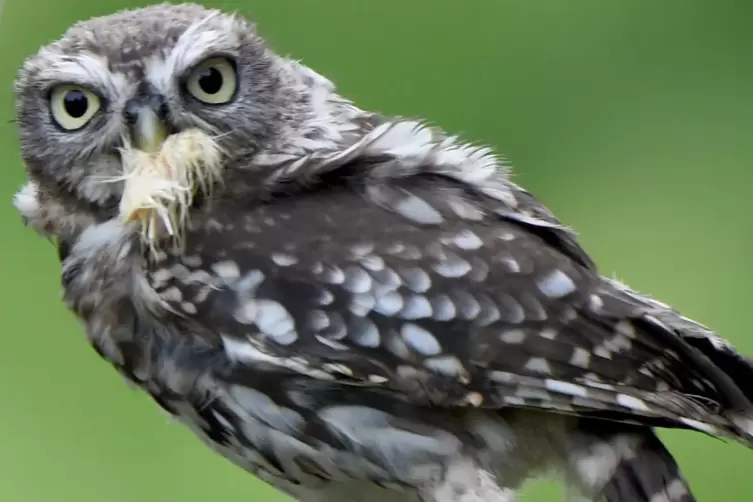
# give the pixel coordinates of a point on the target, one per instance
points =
(632, 119)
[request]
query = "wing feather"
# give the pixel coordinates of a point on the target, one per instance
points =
(441, 296)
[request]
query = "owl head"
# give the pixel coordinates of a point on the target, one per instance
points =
(137, 77)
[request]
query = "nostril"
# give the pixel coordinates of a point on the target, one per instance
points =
(158, 103)
(155, 102)
(131, 111)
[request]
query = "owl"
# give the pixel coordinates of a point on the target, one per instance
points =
(347, 305)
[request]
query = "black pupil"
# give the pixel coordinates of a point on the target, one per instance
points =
(75, 103)
(210, 80)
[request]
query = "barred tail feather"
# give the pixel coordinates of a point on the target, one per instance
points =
(620, 463)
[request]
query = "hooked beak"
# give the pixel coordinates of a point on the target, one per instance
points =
(149, 132)
(146, 116)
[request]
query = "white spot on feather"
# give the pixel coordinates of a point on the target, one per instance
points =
(283, 259)
(452, 267)
(468, 240)
(389, 304)
(420, 340)
(631, 402)
(227, 269)
(275, 321)
(581, 357)
(513, 336)
(567, 388)
(538, 365)
(416, 307)
(556, 284)
(417, 210)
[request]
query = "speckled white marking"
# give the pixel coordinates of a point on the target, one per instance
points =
(318, 320)
(548, 333)
(510, 264)
(362, 304)
(513, 336)
(581, 357)
(284, 259)
(415, 278)
(357, 280)
(416, 307)
(188, 307)
(467, 306)
(468, 240)
(336, 329)
(180, 271)
(389, 304)
(452, 267)
(192, 261)
(443, 308)
(566, 388)
(200, 277)
(703, 427)
(324, 297)
(538, 365)
(625, 328)
(332, 274)
(275, 321)
(602, 351)
(387, 280)
(417, 210)
(506, 236)
(465, 210)
(595, 303)
(337, 368)
(334, 344)
(594, 381)
(420, 340)
(160, 277)
(362, 249)
(172, 295)
(397, 346)
(364, 332)
(409, 253)
(556, 284)
(227, 269)
(395, 248)
(249, 282)
(372, 262)
(631, 402)
(447, 365)
(246, 351)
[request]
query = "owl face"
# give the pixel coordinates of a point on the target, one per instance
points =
(136, 77)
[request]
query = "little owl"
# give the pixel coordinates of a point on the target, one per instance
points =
(350, 306)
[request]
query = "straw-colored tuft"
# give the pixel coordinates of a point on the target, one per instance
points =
(160, 187)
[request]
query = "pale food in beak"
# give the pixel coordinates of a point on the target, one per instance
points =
(162, 179)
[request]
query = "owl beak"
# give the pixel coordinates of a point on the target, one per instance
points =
(149, 132)
(146, 115)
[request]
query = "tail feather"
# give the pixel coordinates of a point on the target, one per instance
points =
(650, 475)
(610, 462)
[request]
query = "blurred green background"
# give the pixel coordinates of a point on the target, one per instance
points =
(633, 120)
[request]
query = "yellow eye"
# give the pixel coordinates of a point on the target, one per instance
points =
(73, 106)
(213, 81)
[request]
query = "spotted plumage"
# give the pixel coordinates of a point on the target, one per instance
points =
(364, 306)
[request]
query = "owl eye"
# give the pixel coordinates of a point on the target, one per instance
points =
(213, 82)
(73, 106)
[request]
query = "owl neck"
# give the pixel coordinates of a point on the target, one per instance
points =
(316, 117)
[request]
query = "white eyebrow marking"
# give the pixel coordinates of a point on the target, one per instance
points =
(192, 46)
(85, 69)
